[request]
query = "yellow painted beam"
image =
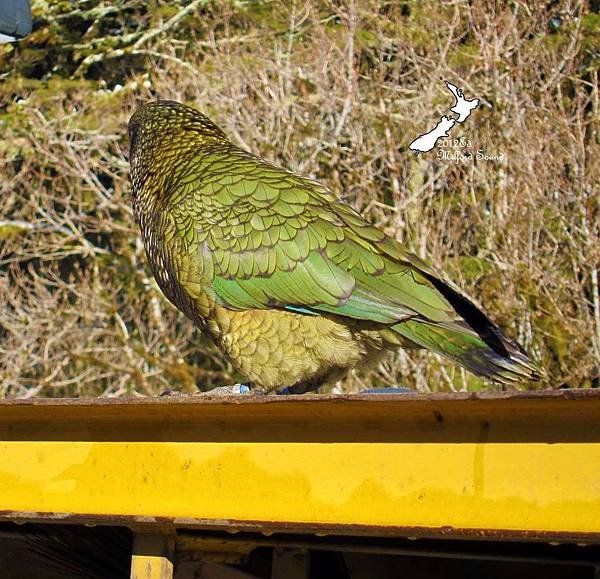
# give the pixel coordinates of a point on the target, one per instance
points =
(529, 487)
(416, 466)
(152, 556)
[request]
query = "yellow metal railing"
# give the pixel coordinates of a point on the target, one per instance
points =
(511, 466)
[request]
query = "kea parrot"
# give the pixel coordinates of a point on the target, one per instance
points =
(293, 285)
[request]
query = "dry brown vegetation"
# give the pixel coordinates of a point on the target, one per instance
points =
(336, 90)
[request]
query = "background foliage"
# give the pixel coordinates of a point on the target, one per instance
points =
(333, 89)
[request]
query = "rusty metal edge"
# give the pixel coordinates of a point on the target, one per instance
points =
(170, 524)
(567, 394)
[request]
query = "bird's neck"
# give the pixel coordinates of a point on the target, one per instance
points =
(158, 163)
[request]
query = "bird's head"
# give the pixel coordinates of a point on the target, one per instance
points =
(161, 130)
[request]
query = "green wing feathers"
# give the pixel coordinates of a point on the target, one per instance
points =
(277, 240)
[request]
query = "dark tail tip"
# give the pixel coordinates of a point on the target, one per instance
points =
(504, 360)
(511, 369)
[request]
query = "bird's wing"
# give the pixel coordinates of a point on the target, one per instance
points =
(272, 239)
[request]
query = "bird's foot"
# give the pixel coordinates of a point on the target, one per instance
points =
(387, 391)
(168, 393)
(228, 390)
(302, 388)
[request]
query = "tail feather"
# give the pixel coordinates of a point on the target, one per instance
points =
(461, 344)
(472, 340)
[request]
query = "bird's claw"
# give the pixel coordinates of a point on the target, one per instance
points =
(234, 390)
(168, 393)
(386, 391)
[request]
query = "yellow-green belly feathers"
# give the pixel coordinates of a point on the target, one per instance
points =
(277, 349)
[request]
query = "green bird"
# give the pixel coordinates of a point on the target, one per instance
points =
(293, 285)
